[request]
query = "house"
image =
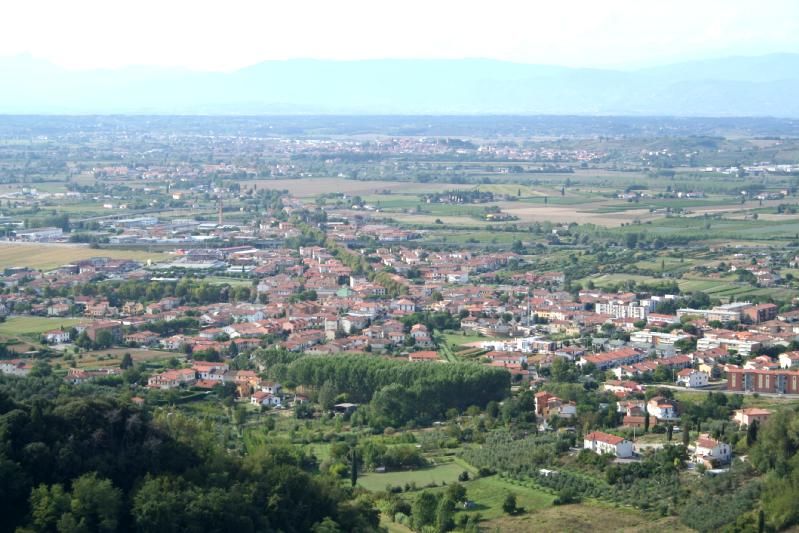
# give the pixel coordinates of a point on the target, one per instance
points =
(60, 309)
(420, 335)
(271, 387)
(262, 398)
(608, 360)
(133, 309)
(207, 370)
(172, 379)
(789, 359)
(688, 377)
(622, 387)
(760, 313)
(141, 338)
(605, 443)
(15, 367)
(710, 451)
(57, 336)
(661, 408)
(548, 405)
(745, 417)
(423, 356)
(113, 328)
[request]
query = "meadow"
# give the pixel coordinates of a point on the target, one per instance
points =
(34, 326)
(47, 256)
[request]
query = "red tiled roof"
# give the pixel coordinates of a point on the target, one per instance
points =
(604, 437)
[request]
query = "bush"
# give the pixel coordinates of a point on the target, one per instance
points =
(566, 496)
(463, 476)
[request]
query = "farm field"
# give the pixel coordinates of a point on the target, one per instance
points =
(113, 356)
(715, 288)
(311, 187)
(588, 516)
(46, 256)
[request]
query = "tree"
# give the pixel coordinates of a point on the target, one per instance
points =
(327, 395)
(445, 514)
(127, 361)
(669, 432)
(424, 509)
(48, 504)
(509, 505)
(104, 339)
(751, 433)
(94, 505)
(354, 466)
(686, 435)
(646, 420)
(456, 492)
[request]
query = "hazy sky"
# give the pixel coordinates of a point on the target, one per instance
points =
(228, 34)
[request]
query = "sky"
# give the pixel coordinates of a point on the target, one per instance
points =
(225, 35)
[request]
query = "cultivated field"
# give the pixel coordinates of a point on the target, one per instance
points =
(311, 187)
(112, 357)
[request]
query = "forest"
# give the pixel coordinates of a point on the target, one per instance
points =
(400, 391)
(75, 463)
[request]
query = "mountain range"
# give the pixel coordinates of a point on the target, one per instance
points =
(730, 87)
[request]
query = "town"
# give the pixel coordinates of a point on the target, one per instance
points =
(572, 327)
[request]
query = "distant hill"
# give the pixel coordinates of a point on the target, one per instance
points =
(735, 86)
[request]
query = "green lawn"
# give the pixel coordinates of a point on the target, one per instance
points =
(446, 472)
(233, 282)
(34, 325)
(458, 339)
(488, 494)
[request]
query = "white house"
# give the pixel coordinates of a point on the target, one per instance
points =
(603, 443)
(270, 387)
(688, 377)
(789, 359)
(264, 398)
(57, 336)
(710, 450)
(661, 408)
(15, 367)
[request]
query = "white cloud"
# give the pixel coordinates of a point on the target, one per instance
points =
(230, 34)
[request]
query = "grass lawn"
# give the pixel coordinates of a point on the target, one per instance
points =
(458, 339)
(50, 256)
(16, 326)
(446, 472)
(488, 494)
(233, 282)
(113, 356)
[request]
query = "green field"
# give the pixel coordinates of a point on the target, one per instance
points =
(234, 282)
(457, 339)
(441, 473)
(589, 516)
(34, 325)
(488, 493)
(49, 256)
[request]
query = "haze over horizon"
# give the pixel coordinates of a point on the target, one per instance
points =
(715, 58)
(90, 34)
